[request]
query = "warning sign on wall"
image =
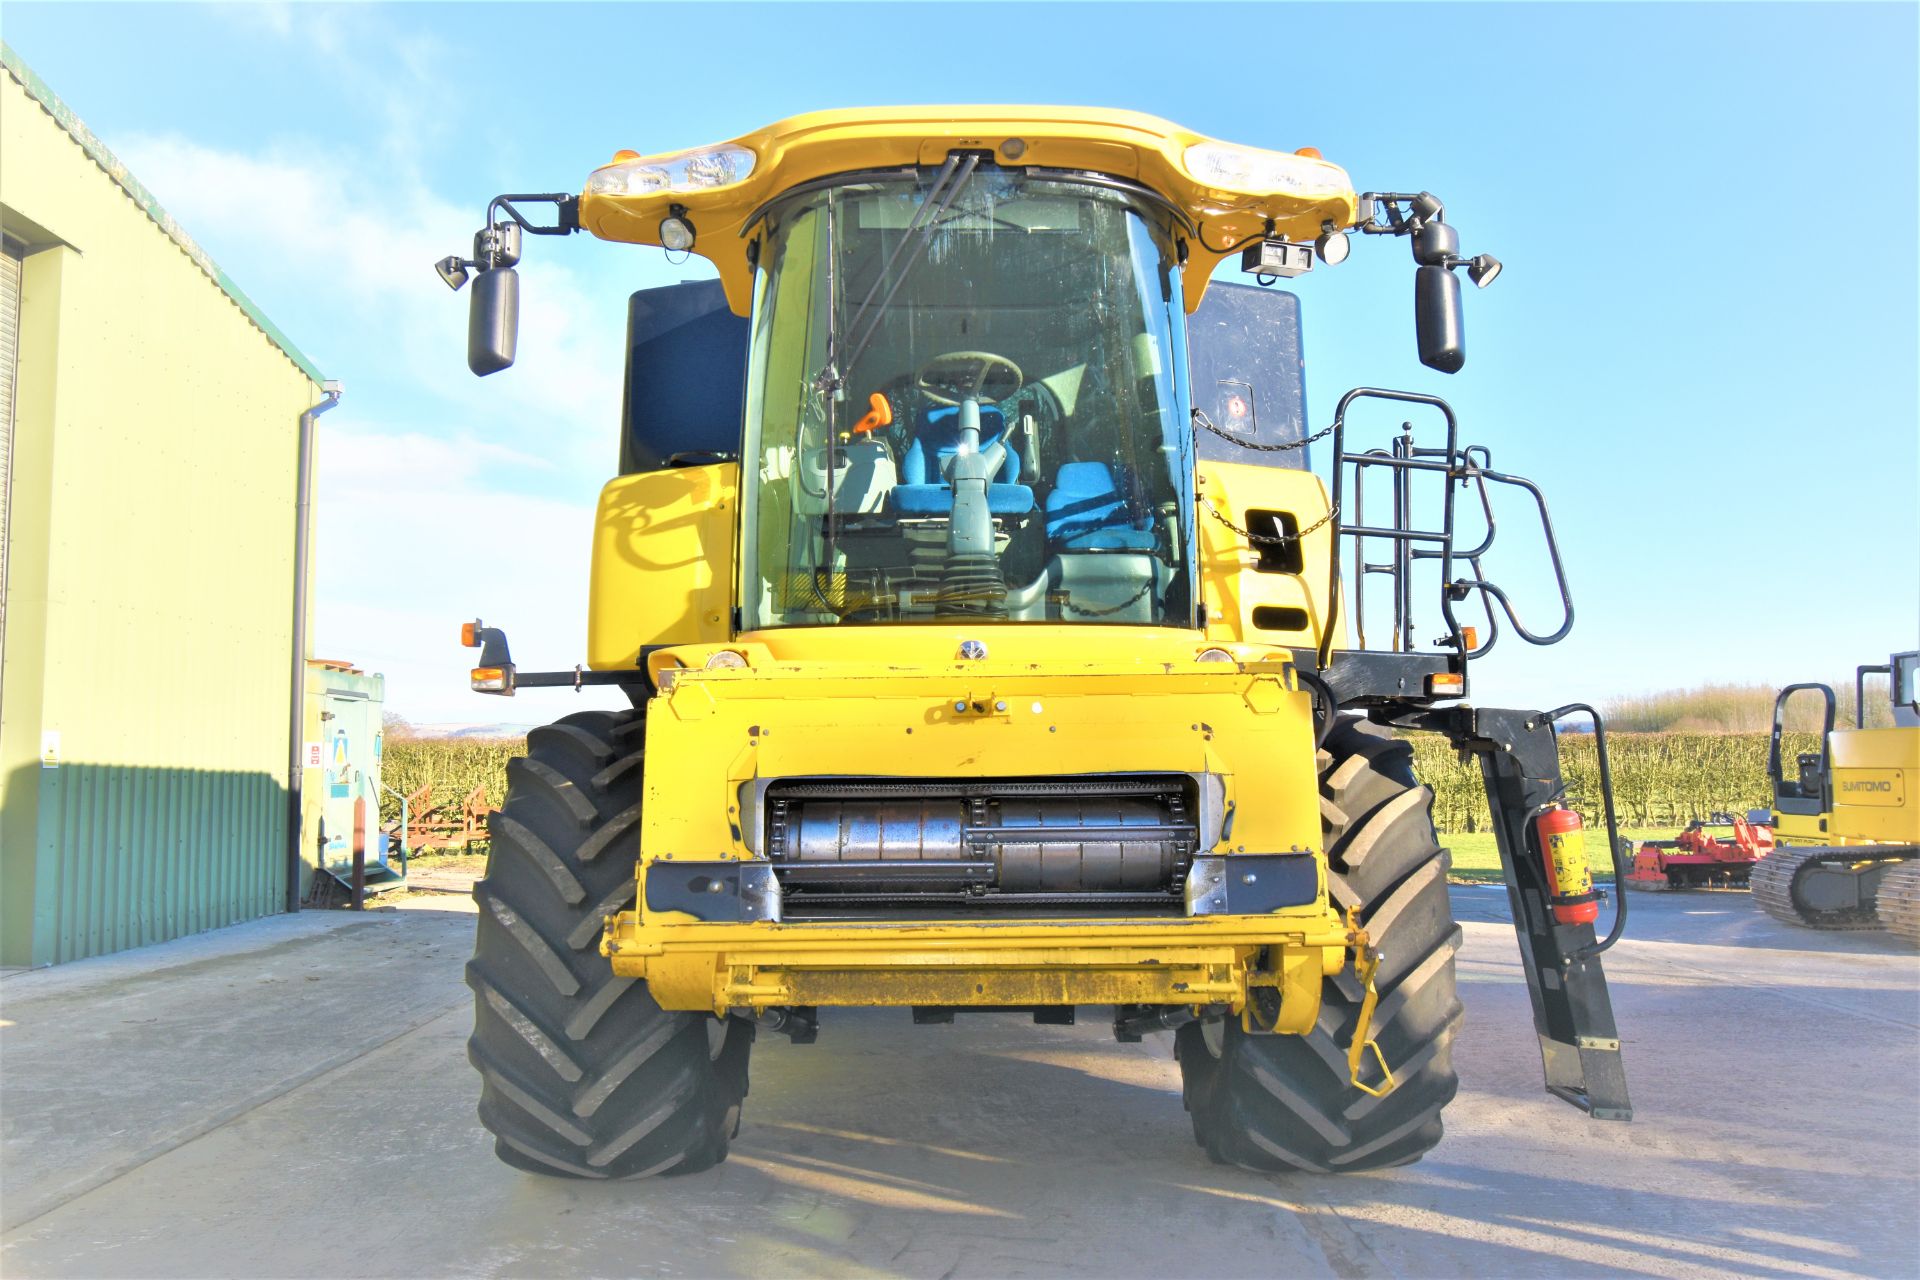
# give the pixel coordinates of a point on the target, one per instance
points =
(314, 756)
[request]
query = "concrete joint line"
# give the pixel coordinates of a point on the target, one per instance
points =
(43, 1205)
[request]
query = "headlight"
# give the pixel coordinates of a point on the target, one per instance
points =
(1257, 172)
(699, 170)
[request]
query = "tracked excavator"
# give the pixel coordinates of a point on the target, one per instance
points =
(1846, 818)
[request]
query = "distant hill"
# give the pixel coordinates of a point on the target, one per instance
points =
(455, 729)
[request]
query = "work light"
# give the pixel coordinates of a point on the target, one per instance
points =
(1257, 172)
(700, 170)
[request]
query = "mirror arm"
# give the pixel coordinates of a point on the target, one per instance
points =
(497, 244)
(566, 213)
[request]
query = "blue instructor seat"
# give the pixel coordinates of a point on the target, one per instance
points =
(922, 492)
(1087, 512)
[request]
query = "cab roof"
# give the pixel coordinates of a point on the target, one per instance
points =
(1227, 193)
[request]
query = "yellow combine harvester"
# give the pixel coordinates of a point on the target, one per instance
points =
(983, 629)
(1847, 823)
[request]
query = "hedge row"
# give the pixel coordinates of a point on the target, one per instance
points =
(455, 766)
(1659, 779)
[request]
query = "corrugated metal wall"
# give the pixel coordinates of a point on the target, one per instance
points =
(131, 856)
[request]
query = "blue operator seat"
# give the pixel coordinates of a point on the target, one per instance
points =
(922, 492)
(1087, 512)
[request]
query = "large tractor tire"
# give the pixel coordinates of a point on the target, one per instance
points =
(1279, 1102)
(583, 1075)
(1896, 902)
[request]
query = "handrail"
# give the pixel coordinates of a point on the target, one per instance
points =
(1410, 544)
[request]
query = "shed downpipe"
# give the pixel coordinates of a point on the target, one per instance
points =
(297, 716)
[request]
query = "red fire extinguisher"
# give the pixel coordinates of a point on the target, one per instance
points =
(1563, 848)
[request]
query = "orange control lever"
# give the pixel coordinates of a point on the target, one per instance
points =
(878, 416)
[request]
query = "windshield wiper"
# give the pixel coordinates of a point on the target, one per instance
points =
(946, 185)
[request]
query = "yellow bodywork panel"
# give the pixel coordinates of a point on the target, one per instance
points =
(1303, 194)
(662, 562)
(1875, 776)
(1021, 963)
(1283, 597)
(1049, 701)
(1053, 716)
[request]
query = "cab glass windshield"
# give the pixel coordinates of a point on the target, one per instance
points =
(966, 399)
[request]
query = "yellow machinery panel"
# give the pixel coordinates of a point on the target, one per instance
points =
(1255, 594)
(663, 555)
(1049, 707)
(1052, 716)
(1294, 196)
(1215, 960)
(1874, 775)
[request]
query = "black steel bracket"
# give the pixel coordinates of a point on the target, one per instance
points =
(495, 652)
(1572, 1010)
(724, 891)
(1373, 677)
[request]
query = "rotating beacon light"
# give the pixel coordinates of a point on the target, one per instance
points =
(1563, 853)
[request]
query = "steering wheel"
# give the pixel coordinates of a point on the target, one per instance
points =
(968, 375)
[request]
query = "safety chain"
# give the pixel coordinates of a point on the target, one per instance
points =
(1200, 419)
(1262, 538)
(1128, 603)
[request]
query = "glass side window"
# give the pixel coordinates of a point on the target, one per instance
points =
(966, 398)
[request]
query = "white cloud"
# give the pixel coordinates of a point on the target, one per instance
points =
(439, 495)
(413, 541)
(368, 248)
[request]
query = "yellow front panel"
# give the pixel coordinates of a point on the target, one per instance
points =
(714, 730)
(662, 562)
(1245, 602)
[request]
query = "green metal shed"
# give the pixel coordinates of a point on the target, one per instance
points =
(149, 631)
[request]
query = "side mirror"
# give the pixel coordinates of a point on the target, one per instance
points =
(493, 321)
(1438, 319)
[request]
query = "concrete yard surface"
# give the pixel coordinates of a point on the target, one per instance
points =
(291, 1098)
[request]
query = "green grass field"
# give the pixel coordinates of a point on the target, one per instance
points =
(1476, 859)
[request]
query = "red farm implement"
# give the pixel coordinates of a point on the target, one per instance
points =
(1717, 854)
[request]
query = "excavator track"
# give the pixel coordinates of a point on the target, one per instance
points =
(1773, 880)
(1897, 902)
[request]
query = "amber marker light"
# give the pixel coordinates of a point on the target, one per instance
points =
(469, 634)
(1446, 684)
(1469, 637)
(492, 679)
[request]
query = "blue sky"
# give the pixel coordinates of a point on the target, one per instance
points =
(1704, 345)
